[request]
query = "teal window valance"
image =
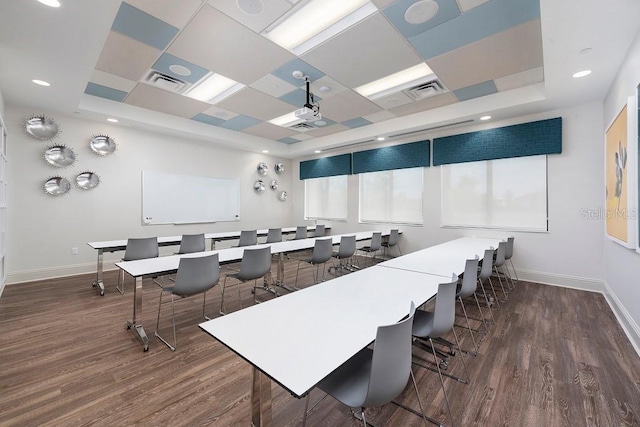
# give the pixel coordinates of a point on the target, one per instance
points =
(412, 155)
(326, 166)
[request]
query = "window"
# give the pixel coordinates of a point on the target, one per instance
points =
(506, 193)
(326, 198)
(393, 196)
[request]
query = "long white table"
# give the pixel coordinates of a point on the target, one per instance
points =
(152, 267)
(121, 245)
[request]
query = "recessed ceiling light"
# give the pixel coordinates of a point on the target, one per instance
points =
(214, 88)
(421, 11)
(41, 82)
(50, 3)
(265, 151)
(380, 138)
(112, 120)
(318, 151)
(180, 70)
(394, 82)
(581, 74)
(286, 120)
(485, 118)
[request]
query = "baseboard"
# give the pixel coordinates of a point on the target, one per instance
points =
(55, 272)
(630, 327)
(574, 282)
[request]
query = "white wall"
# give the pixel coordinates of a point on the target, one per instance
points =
(42, 229)
(622, 265)
(571, 253)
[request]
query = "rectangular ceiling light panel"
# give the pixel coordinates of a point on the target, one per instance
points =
(214, 88)
(396, 82)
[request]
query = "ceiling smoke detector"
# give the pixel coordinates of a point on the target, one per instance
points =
(251, 7)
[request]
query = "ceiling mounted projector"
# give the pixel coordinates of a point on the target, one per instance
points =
(308, 114)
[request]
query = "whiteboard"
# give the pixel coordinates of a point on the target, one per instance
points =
(183, 199)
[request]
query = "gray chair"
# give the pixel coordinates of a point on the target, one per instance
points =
(484, 275)
(498, 263)
(322, 252)
(346, 249)
(301, 232)
(274, 235)
(191, 243)
(248, 238)
(138, 249)
(507, 256)
(392, 241)
(467, 286)
(373, 247)
(195, 276)
(375, 377)
(255, 264)
(320, 231)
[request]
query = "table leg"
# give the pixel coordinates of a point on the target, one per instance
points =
(280, 273)
(137, 308)
(260, 399)
(98, 282)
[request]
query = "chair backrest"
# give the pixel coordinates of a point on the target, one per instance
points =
(322, 251)
(444, 313)
(248, 238)
(376, 241)
(487, 265)
(196, 275)
(391, 362)
(508, 253)
(347, 246)
(255, 263)
(274, 235)
(469, 278)
(191, 243)
(394, 236)
(141, 249)
(502, 247)
(301, 232)
(319, 230)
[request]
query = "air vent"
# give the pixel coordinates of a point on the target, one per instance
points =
(165, 82)
(302, 127)
(425, 90)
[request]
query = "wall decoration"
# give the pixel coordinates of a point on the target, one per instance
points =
(258, 186)
(41, 127)
(59, 156)
(283, 196)
(87, 180)
(102, 144)
(263, 169)
(274, 184)
(279, 168)
(57, 186)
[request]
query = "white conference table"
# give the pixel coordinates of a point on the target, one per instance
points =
(164, 265)
(121, 245)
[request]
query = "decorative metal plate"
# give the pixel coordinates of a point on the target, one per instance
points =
(102, 144)
(59, 156)
(279, 168)
(274, 184)
(57, 186)
(258, 186)
(87, 180)
(263, 169)
(283, 196)
(41, 127)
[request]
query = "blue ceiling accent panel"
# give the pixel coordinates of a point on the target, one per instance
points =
(412, 155)
(288, 140)
(328, 122)
(205, 118)
(447, 10)
(297, 97)
(526, 139)
(166, 60)
(476, 91)
(286, 72)
(482, 21)
(239, 123)
(356, 123)
(105, 92)
(326, 166)
(143, 27)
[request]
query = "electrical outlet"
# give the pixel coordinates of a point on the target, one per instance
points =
(74, 251)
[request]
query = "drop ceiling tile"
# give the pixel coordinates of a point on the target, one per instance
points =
(126, 57)
(104, 92)
(356, 123)
(273, 9)
(475, 91)
(303, 137)
(176, 13)
(152, 98)
(347, 105)
(524, 78)
(368, 51)
(327, 130)
(166, 60)
(334, 87)
(255, 104)
(239, 123)
(483, 21)
(216, 42)
(269, 131)
(380, 116)
(466, 5)
(393, 100)
(382, 3)
(425, 104)
(298, 98)
(209, 120)
(447, 10)
(272, 85)
(285, 72)
(220, 113)
(288, 140)
(143, 27)
(509, 52)
(112, 81)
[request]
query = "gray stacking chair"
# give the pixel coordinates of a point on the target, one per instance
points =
(274, 235)
(191, 243)
(507, 256)
(375, 377)
(346, 249)
(301, 232)
(467, 287)
(195, 276)
(429, 325)
(255, 264)
(498, 262)
(374, 246)
(248, 238)
(322, 252)
(138, 249)
(393, 240)
(320, 231)
(484, 274)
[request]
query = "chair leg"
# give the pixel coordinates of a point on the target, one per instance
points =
(446, 399)
(504, 293)
(495, 296)
(514, 270)
(222, 307)
(475, 345)
(295, 286)
(486, 299)
(204, 305)
(484, 321)
(173, 320)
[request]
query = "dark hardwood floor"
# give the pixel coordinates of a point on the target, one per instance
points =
(555, 357)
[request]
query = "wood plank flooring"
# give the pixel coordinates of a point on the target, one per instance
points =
(555, 357)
